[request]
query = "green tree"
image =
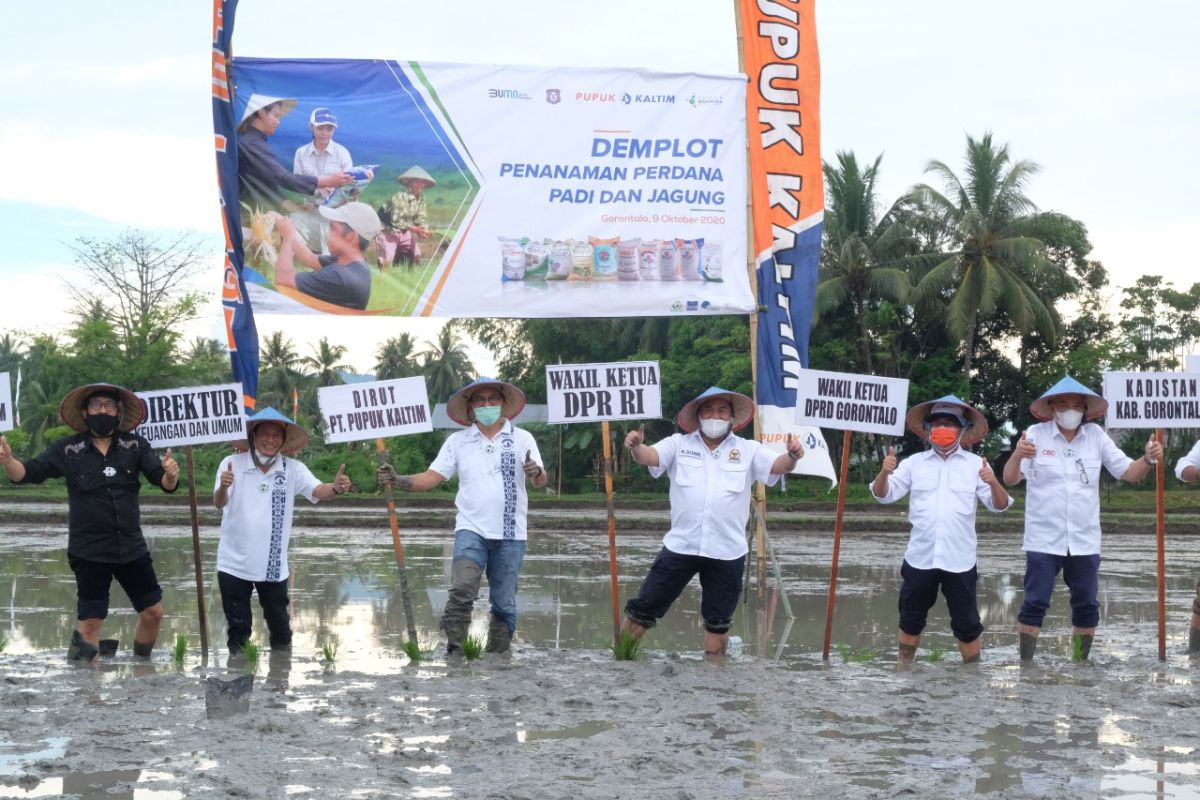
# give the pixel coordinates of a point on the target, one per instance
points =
(324, 364)
(445, 363)
(397, 358)
(279, 372)
(997, 253)
(207, 361)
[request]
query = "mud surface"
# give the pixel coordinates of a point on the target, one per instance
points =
(561, 719)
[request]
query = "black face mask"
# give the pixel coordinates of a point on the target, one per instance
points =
(102, 425)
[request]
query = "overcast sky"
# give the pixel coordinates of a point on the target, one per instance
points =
(107, 120)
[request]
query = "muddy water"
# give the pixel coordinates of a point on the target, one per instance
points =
(560, 718)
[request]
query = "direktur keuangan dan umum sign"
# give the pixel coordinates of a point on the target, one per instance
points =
(542, 192)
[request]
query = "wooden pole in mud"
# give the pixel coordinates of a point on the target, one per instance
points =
(191, 465)
(1161, 536)
(612, 532)
(843, 475)
(405, 598)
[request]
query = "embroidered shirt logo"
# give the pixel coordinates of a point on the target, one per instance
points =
(110, 472)
(1049, 452)
(74, 449)
(735, 456)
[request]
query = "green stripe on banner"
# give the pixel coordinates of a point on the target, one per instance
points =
(420, 73)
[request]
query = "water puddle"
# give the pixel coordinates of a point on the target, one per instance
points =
(584, 730)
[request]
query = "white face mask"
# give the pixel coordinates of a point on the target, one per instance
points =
(1069, 419)
(715, 428)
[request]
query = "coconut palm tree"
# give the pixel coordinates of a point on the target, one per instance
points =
(280, 372)
(397, 358)
(323, 364)
(998, 252)
(445, 363)
(863, 254)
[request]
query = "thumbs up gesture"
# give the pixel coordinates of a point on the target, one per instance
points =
(635, 438)
(794, 449)
(5, 451)
(171, 466)
(341, 481)
(227, 477)
(1025, 448)
(986, 474)
(531, 467)
(1154, 450)
(889, 462)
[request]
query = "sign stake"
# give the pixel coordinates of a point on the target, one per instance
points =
(405, 597)
(612, 532)
(843, 469)
(196, 557)
(1160, 536)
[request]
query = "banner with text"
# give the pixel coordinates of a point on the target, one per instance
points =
(1191, 363)
(849, 402)
(603, 392)
(194, 415)
(1152, 399)
(501, 191)
(374, 410)
(7, 414)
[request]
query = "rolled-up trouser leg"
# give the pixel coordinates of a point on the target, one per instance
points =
(465, 575)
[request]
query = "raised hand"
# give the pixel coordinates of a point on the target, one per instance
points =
(1025, 447)
(227, 477)
(5, 451)
(171, 466)
(889, 462)
(341, 481)
(986, 474)
(531, 467)
(634, 438)
(794, 448)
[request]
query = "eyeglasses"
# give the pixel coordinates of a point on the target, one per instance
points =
(1083, 478)
(487, 400)
(102, 405)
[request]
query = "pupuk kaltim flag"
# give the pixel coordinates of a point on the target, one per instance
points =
(788, 200)
(239, 319)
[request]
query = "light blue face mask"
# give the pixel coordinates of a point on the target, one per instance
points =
(487, 415)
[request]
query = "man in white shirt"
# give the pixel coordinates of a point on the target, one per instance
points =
(944, 483)
(1060, 457)
(711, 472)
(492, 459)
(1188, 471)
(256, 492)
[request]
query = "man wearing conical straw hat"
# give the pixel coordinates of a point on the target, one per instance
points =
(492, 459)
(256, 492)
(1188, 471)
(711, 472)
(101, 464)
(943, 484)
(406, 218)
(1060, 460)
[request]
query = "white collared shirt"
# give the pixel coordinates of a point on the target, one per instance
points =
(1062, 501)
(491, 499)
(942, 508)
(710, 492)
(308, 161)
(257, 521)
(1192, 459)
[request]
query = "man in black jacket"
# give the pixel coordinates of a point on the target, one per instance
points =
(101, 463)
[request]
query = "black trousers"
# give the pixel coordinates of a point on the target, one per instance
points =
(235, 600)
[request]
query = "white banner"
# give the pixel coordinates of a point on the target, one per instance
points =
(1152, 399)
(776, 423)
(194, 415)
(7, 414)
(603, 392)
(850, 402)
(374, 410)
(550, 191)
(1191, 363)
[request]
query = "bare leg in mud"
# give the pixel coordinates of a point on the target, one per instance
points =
(906, 649)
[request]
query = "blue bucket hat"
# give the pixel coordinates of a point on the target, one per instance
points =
(1097, 406)
(459, 404)
(294, 437)
(973, 423)
(688, 418)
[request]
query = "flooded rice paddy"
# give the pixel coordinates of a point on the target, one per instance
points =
(561, 719)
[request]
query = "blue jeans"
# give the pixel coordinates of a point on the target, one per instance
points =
(500, 559)
(1080, 573)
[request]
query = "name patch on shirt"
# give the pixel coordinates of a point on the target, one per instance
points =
(1049, 453)
(690, 453)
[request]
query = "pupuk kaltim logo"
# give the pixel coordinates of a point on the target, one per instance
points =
(553, 96)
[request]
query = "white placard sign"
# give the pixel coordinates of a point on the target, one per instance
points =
(194, 415)
(6, 407)
(374, 410)
(1152, 399)
(603, 392)
(850, 402)
(1191, 363)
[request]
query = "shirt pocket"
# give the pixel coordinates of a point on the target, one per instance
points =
(688, 473)
(962, 492)
(1086, 467)
(734, 476)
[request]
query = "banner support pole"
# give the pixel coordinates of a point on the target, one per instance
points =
(843, 471)
(1160, 536)
(196, 556)
(405, 598)
(612, 532)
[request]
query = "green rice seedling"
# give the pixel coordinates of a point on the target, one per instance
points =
(627, 648)
(412, 649)
(3, 643)
(250, 651)
(329, 652)
(472, 647)
(180, 648)
(935, 653)
(850, 655)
